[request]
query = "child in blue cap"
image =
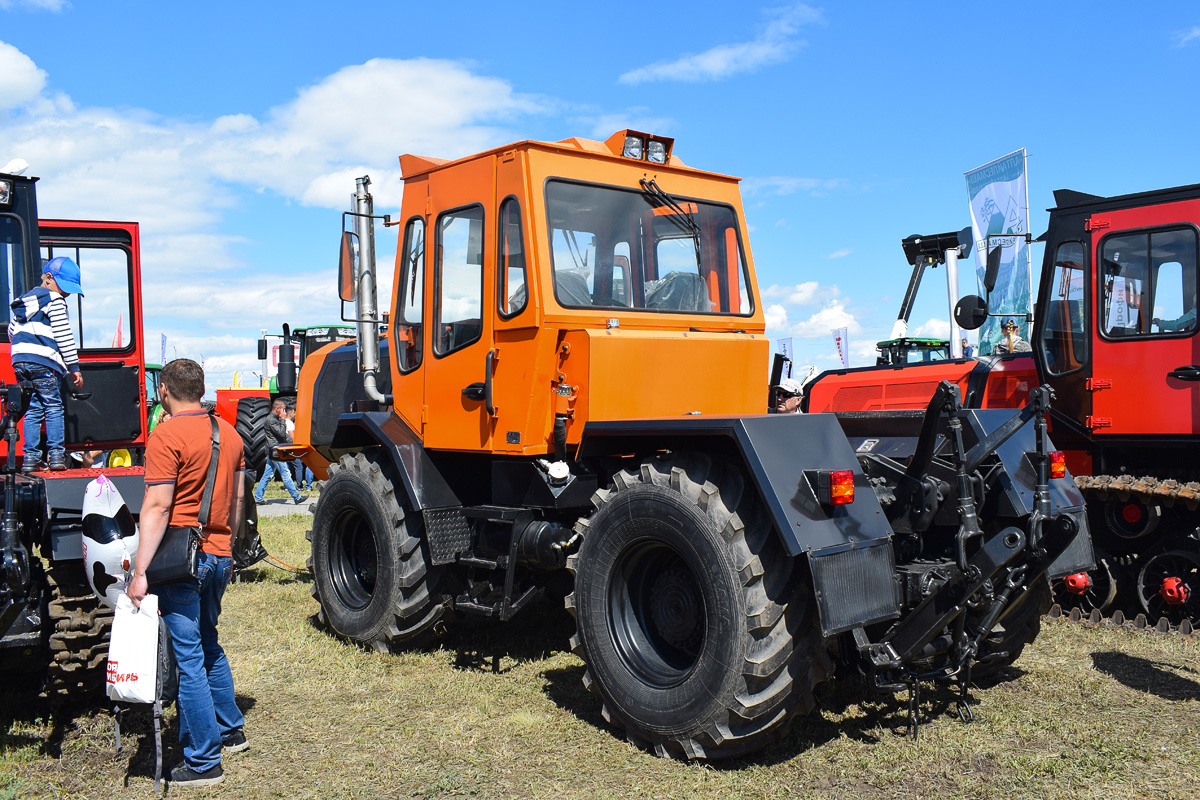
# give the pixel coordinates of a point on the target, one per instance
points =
(43, 350)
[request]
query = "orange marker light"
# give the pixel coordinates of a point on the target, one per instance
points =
(841, 487)
(1058, 464)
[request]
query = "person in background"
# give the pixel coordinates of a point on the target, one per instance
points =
(177, 461)
(1012, 342)
(788, 395)
(277, 435)
(43, 350)
(967, 350)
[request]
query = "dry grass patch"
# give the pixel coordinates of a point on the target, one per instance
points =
(1084, 714)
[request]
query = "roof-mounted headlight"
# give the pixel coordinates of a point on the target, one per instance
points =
(634, 147)
(656, 152)
(6, 193)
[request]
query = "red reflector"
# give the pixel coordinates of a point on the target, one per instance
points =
(841, 487)
(1078, 583)
(1058, 464)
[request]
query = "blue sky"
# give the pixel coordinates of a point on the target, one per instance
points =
(232, 131)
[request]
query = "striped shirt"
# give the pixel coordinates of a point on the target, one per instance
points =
(40, 332)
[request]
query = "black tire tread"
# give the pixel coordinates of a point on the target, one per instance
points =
(786, 658)
(418, 612)
(251, 425)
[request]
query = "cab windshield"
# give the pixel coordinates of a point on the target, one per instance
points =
(645, 251)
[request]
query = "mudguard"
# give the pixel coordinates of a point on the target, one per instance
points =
(423, 482)
(847, 547)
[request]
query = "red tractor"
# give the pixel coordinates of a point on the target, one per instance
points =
(53, 629)
(1115, 338)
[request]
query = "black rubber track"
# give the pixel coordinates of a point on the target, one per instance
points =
(80, 627)
(251, 425)
(695, 625)
(370, 562)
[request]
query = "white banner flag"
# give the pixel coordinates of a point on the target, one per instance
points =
(998, 194)
(843, 347)
(785, 349)
(162, 360)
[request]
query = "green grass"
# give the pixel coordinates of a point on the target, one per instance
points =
(1085, 713)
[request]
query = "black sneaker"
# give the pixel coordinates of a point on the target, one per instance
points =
(31, 465)
(299, 499)
(235, 742)
(183, 775)
(58, 462)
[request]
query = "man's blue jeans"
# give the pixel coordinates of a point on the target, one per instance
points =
(207, 710)
(45, 404)
(285, 473)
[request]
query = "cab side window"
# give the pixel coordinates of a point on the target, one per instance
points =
(408, 329)
(1064, 337)
(1148, 283)
(513, 294)
(458, 280)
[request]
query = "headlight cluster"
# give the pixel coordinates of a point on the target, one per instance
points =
(644, 147)
(6, 193)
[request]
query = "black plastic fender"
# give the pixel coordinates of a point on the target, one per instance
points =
(848, 547)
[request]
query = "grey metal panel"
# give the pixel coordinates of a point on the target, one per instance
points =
(65, 495)
(855, 585)
(776, 449)
(1064, 496)
(423, 482)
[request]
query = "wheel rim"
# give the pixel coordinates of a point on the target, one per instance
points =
(1130, 519)
(353, 560)
(657, 615)
(1183, 570)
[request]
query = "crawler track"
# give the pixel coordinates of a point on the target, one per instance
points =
(1187, 628)
(80, 626)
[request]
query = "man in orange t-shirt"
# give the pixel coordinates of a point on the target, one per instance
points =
(178, 453)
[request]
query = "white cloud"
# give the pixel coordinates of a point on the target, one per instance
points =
(35, 5)
(1184, 37)
(932, 328)
(782, 185)
(801, 294)
(20, 79)
(840, 253)
(776, 316)
(833, 315)
(776, 43)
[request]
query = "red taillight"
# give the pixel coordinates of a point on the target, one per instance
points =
(841, 487)
(1058, 464)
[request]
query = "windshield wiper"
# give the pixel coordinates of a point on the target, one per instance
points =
(651, 188)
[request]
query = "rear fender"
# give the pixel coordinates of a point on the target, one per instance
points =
(848, 548)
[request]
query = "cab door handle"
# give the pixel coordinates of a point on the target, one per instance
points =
(483, 391)
(1188, 372)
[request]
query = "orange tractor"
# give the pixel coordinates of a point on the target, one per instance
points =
(570, 397)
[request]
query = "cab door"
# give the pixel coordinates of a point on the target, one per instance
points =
(1146, 361)
(459, 352)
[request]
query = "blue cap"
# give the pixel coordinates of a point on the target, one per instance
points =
(65, 273)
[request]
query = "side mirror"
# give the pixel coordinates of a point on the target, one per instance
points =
(971, 311)
(348, 267)
(262, 349)
(992, 270)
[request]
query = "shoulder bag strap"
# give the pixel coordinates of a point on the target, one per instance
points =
(206, 500)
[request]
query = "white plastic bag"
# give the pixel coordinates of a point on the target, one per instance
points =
(133, 651)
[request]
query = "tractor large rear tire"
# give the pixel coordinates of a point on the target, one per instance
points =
(694, 623)
(370, 562)
(251, 425)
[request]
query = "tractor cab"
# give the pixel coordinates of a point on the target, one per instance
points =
(110, 410)
(1116, 320)
(894, 352)
(537, 282)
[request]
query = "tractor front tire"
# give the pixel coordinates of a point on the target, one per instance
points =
(251, 426)
(694, 623)
(370, 562)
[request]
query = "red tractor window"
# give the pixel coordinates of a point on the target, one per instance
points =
(1064, 338)
(1148, 284)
